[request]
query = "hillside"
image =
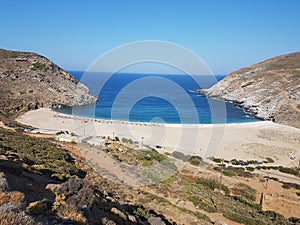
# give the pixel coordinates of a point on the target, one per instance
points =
(43, 181)
(270, 89)
(30, 81)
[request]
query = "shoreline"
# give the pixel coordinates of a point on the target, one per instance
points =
(69, 116)
(245, 141)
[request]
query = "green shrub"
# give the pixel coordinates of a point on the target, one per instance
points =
(47, 156)
(195, 160)
(140, 211)
(197, 201)
(250, 168)
(273, 215)
(38, 66)
(8, 92)
(247, 191)
(217, 168)
(289, 170)
(270, 160)
(217, 160)
(247, 174)
(229, 173)
(288, 185)
(211, 184)
(181, 156)
(116, 157)
(169, 164)
(233, 171)
(242, 219)
(272, 178)
(244, 201)
(128, 141)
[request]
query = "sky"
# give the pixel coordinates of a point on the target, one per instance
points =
(226, 34)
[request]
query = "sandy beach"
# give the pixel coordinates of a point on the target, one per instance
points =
(246, 141)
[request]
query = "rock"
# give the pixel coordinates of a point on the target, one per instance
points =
(106, 221)
(118, 212)
(3, 184)
(37, 82)
(132, 219)
(3, 157)
(37, 208)
(155, 221)
(52, 187)
(219, 222)
(270, 90)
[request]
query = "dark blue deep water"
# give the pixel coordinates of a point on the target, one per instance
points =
(155, 98)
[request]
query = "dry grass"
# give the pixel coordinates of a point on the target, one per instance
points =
(11, 197)
(16, 218)
(71, 213)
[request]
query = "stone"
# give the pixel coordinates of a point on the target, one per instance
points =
(219, 222)
(155, 221)
(118, 212)
(132, 219)
(269, 90)
(3, 183)
(37, 82)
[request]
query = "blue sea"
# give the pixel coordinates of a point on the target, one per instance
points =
(155, 98)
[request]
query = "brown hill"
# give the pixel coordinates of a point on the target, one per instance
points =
(270, 89)
(30, 81)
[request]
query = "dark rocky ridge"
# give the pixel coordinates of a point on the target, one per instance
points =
(270, 89)
(30, 81)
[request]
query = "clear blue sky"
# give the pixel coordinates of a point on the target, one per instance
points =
(226, 34)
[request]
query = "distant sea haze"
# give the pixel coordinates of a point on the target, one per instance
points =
(155, 98)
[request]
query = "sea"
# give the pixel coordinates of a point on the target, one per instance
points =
(156, 98)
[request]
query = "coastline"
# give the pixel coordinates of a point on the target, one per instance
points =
(245, 141)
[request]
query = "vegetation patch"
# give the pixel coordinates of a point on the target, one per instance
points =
(148, 157)
(181, 156)
(246, 191)
(288, 185)
(196, 160)
(11, 197)
(7, 91)
(201, 203)
(38, 66)
(287, 170)
(211, 184)
(127, 141)
(270, 160)
(41, 154)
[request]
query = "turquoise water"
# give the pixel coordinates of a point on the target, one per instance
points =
(155, 98)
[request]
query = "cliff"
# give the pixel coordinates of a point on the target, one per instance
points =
(270, 89)
(30, 81)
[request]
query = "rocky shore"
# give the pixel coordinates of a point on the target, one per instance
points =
(31, 81)
(269, 90)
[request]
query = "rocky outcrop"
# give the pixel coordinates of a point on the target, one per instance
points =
(270, 90)
(29, 81)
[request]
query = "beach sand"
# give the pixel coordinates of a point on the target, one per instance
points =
(245, 141)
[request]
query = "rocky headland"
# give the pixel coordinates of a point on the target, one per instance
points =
(30, 81)
(270, 90)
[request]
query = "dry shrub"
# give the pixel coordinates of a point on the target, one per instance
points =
(72, 213)
(14, 218)
(11, 197)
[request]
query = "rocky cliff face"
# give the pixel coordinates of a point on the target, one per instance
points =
(270, 89)
(30, 81)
